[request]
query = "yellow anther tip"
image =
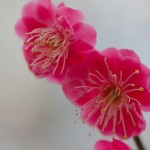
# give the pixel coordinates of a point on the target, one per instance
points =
(125, 137)
(114, 75)
(141, 89)
(137, 71)
(103, 110)
(26, 42)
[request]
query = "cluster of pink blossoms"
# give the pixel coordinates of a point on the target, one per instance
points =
(110, 88)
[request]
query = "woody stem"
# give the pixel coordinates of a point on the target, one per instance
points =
(139, 143)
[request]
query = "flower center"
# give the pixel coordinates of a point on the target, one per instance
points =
(47, 46)
(112, 97)
(115, 90)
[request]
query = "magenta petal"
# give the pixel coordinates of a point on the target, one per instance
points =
(21, 29)
(74, 94)
(68, 85)
(48, 10)
(62, 4)
(63, 24)
(80, 47)
(45, 3)
(103, 145)
(32, 24)
(114, 145)
(27, 10)
(42, 15)
(42, 11)
(129, 53)
(72, 16)
(118, 145)
(85, 32)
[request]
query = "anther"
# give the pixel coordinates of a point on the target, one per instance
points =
(26, 42)
(141, 89)
(125, 137)
(137, 71)
(103, 110)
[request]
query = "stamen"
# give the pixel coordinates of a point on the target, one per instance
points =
(114, 77)
(105, 60)
(102, 118)
(117, 91)
(57, 61)
(114, 121)
(104, 79)
(89, 103)
(132, 99)
(128, 111)
(138, 115)
(123, 124)
(86, 88)
(90, 114)
(82, 86)
(135, 72)
(121, 103)
(91, 74)
(119, 83)
(141, 89)
(90, 88)
(95, 125)
(107, 118)
(128, 85)
(64, 62)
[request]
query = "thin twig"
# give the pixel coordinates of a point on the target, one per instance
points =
(139, 143)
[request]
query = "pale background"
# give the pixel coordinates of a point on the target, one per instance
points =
(34, 114)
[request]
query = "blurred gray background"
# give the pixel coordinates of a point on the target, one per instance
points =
(34, 114)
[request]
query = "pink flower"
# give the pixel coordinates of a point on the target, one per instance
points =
(114, 145)
(54, 38)
(111, 89)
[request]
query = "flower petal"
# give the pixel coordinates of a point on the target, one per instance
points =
(103, 145)
(114, 145)
(71, 15)
(85, 33)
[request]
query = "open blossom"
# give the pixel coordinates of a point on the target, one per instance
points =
(114, 145)
(111, 89)
(54, 38)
